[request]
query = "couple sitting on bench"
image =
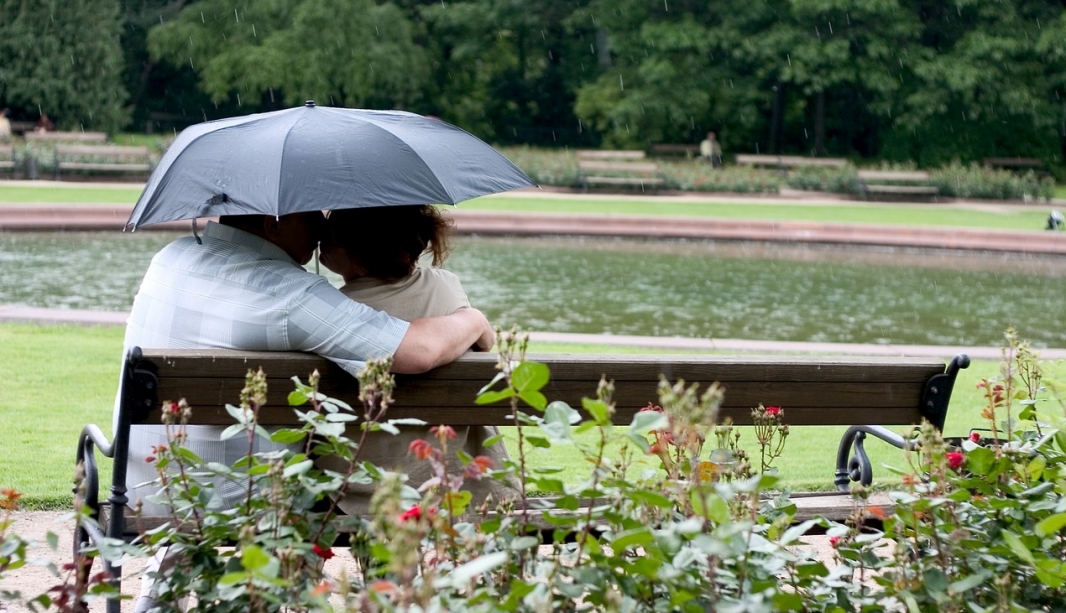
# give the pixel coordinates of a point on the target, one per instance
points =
(244, 287)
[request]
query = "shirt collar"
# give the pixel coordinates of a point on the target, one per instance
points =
(247, 240)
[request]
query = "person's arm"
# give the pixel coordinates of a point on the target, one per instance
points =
(433, 341)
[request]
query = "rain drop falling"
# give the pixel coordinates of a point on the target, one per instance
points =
(550, 56)
(271, 94)
(253, 31)
(830, 27)
(621, 85)
(789, 56)
(235, 16)
(371, 67)
(666, 6)
(191, 64)
(376, 31)
(201, 17)
(239, 100)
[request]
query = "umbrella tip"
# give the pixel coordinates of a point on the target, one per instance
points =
(309, 103)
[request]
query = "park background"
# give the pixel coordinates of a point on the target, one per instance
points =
(916, 82)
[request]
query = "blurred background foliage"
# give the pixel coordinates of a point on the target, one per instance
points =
(922, 81)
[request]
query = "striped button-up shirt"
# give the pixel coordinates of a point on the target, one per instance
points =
(239, 291)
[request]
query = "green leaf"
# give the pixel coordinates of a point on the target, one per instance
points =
(297, 398)
(1017, 546)
(287, 436)
(598, 410)
(253, 558)
(632, 538)
(492, 440)
(646, 421)
(561, 412)
(534, 399)
(538, 441)
(530, 376)
(231, 432)
(712, 506)
(980, 461)
(1051, 525)
(490, 397)
(524, 542)
(298, 468)
(474, 568)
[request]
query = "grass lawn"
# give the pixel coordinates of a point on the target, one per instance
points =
(60, 378)
(1006, 217)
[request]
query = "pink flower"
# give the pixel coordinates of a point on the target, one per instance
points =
(443, 432)
(955, 459)
(323, 552)
(420, 448)
(975, 437)
(414, 513)
(483, 463)
(834, 541)
(773, 411)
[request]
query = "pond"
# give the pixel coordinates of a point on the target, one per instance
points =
(675, 288)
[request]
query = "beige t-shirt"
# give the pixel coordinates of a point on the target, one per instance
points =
(428, 292)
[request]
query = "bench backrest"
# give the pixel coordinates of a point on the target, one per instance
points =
(629, 167)
(595, 154)
(672, 149)
(88, 137)
(812, 390)
(894, 175)
(1014, 162)
(109, 151)
(7, 151)
(788, 161)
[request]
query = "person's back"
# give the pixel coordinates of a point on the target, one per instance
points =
(380, 269)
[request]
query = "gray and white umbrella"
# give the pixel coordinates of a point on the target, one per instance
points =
(313, 158)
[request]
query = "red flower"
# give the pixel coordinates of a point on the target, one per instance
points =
(323, 552)
(975, 437)
(773, 411)
(955, 459)
(9, 499)
(443, 432)
(414, 513)
(834, 541)
(420, 448)
(483, 463)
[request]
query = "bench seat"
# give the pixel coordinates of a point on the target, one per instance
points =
(103, 158)
(617, 168)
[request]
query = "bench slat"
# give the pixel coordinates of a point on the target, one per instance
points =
(903, 189)
(618, 166)
(894, 175)
(889, 386)
(594, 154)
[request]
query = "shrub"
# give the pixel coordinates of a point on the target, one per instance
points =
(977, 526)
(554, 167)
(973, 181)
(825, 179)
(693, 175)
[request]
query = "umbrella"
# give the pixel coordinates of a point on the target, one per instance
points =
(312, 158)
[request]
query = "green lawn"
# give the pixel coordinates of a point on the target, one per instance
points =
(1005, 217)
(59, 378)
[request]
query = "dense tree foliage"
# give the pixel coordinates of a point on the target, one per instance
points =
(63, 59)
(909, 80)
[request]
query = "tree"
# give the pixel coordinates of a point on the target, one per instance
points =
(63, 59)
(355, 53)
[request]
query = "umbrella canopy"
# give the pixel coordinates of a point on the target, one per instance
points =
(312, 158)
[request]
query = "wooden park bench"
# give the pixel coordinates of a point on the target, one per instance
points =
(7, 158)
(784, 163)
(617, 168)
(1018, 164)
(675, 150)
(896, 184)
(127, 160)
(66, 137)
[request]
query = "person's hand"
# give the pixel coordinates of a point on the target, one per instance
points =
(487, 340)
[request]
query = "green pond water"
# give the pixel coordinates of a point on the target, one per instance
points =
(688, 289)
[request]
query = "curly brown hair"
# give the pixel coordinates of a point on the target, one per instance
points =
(387, 242)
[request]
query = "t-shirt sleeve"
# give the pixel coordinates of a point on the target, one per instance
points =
(322, 320)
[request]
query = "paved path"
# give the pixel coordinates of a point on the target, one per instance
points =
(105, 217)
(15, 313)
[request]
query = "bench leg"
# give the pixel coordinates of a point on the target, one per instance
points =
(857, 466)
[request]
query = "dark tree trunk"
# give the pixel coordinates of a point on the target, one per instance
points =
(777, 122)
(819, 123)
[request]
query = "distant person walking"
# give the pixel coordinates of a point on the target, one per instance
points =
(44, 124)
(711, 151)
(5, 127)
